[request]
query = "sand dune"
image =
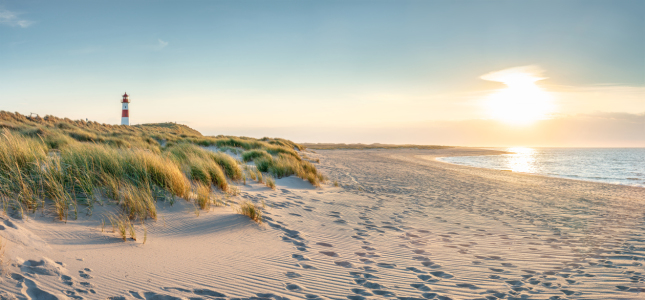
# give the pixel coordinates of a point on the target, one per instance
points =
(401, 225)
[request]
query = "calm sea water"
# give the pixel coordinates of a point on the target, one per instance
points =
(611, 165)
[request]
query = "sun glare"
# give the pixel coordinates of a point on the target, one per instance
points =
(522, 102)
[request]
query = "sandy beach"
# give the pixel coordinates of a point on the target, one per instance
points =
(401, 224)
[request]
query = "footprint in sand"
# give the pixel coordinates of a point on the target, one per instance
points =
(361, 292)
(515, 282)
(299, 257)
(293, 287)
(370, 285)
(329, 253)
(468, 285)
(306, 266)
(383, 293)
(428, 278)
(292, 275)
(344, 264)
(85, 275)
(430, 264)
(413, 269)
(421, 287)
(386, 265)
(441, 274)
(206, 292)
(324, 244)
(67, 280)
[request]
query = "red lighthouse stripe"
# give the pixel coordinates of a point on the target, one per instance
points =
(125, 114)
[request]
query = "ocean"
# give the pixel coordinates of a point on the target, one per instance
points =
(624, 166)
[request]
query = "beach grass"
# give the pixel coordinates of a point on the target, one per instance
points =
(122, 225)
(251, 210)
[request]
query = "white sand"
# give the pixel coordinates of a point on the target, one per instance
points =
(402, 225)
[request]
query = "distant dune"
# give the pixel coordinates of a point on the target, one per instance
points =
(331, 146)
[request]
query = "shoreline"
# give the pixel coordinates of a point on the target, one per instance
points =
(439, 159)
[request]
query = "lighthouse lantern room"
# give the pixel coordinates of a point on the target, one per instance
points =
(125, 114)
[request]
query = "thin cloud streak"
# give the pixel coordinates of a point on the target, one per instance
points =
(161, 44)
(12, 19)
(529, 73)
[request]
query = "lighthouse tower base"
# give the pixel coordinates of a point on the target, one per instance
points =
(125, 121)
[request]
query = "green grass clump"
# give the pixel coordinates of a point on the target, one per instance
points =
(201, 164)
(229, 164)
(285, 165)
(255, 154)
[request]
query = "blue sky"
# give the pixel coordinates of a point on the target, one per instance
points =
(314, 70)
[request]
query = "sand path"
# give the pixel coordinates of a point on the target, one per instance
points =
(402, 225)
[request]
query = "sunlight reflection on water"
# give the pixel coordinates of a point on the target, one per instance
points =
(522, 160)
(610, 165)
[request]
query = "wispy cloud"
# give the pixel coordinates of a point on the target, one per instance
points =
(530, 73)
(12, 19)
(161, 44)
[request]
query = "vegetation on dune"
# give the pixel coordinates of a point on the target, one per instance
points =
(284, 165)
(60, 165)
(254, 154)
(251, 210)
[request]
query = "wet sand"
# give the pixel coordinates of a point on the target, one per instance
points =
(401, 225)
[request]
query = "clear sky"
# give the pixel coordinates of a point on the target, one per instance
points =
(425, 72)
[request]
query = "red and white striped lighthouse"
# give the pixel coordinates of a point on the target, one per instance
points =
(125, 114)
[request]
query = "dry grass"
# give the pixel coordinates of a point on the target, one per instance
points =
(203, 196)
(284, 165)
(122, 225)
(270, 182)
(66, 167)
(251, 210)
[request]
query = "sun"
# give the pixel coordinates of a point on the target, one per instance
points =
(522, 102)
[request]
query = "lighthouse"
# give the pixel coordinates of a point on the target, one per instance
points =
(125, 114)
